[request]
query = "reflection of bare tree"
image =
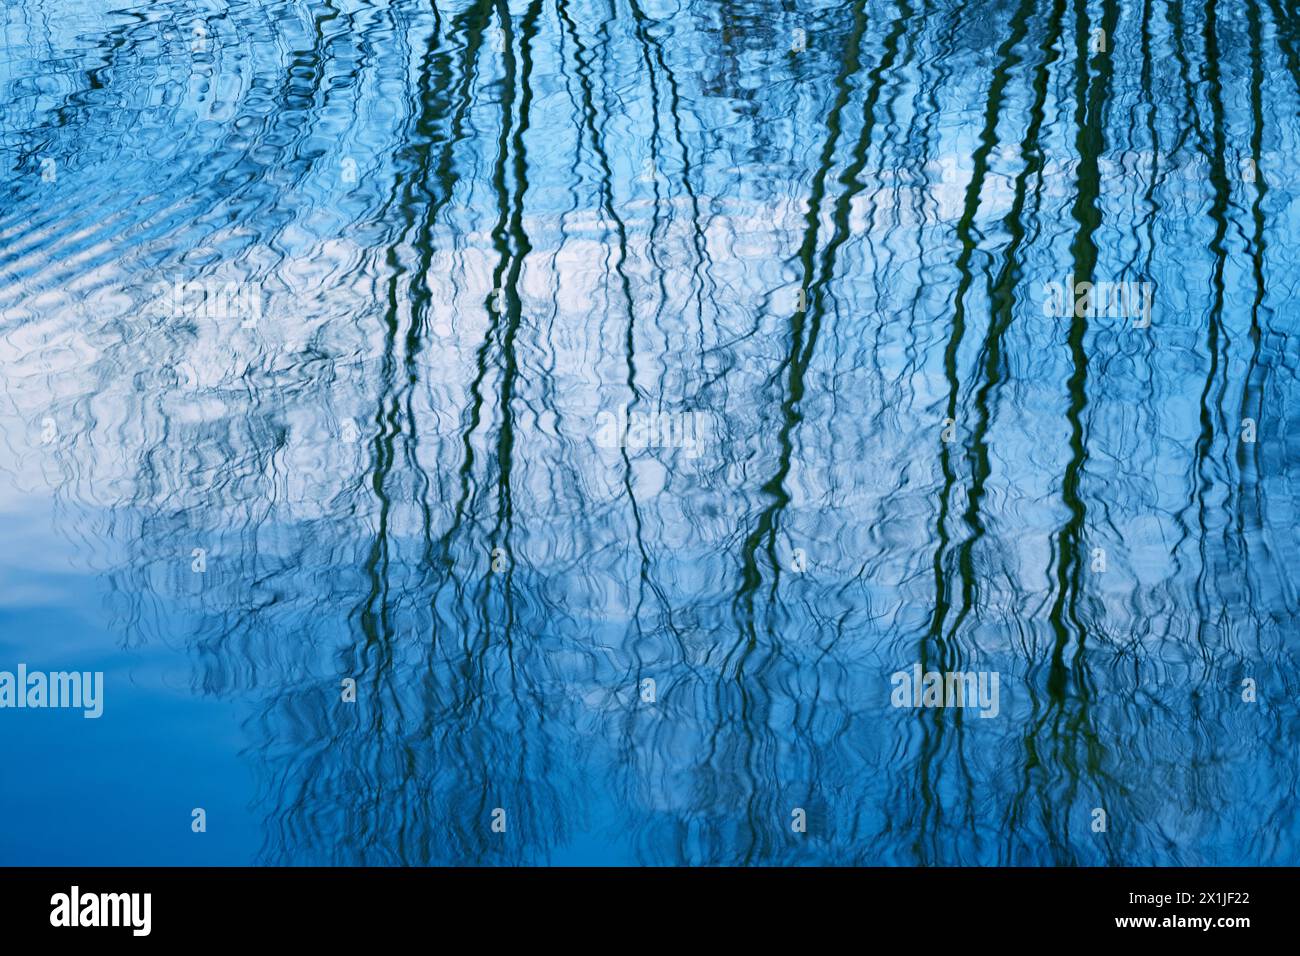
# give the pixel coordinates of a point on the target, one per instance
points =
(500, 589)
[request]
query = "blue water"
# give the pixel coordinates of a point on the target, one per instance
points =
(329, 334)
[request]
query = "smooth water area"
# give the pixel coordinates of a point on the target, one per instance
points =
(564, 432)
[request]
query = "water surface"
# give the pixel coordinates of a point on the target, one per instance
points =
(329, 335)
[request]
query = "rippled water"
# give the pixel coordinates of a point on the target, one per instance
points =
(330, 333)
